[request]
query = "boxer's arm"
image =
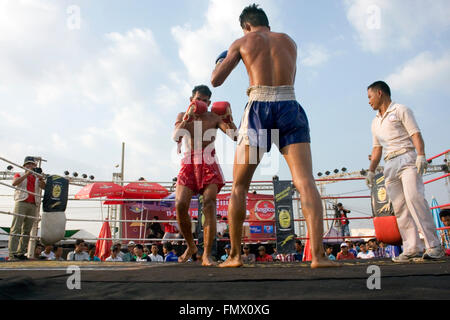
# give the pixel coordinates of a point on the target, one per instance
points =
(376, 158)
(229, 129)
(224, 68)
(180, 125)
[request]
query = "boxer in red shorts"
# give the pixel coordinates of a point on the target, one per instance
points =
(200, 172)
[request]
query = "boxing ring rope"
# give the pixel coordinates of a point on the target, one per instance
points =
(122, 200)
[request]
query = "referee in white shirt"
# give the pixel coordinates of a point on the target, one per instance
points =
(397, 137)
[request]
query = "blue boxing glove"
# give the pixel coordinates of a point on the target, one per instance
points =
(221, 57)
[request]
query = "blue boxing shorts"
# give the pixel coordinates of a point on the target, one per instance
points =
(273, 115)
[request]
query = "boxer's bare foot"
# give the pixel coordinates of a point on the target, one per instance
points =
(190, 251)
(207, 262)
(323, 262)
(231, 263)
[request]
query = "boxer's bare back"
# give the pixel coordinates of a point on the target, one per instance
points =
(269, 57)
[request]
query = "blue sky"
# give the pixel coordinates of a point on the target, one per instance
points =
(74, 94)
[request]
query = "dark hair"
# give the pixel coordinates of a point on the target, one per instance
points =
(139, 246)
(92, 246)
(79, 241)
(444, 213)
(299, 242)
(168, 246)
(380, 85)
(253, 15)
(202, 89)
(115, 248)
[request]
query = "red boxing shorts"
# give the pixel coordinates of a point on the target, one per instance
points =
(200, 169)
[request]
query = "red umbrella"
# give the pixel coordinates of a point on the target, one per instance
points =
(144, 190)
(307, 249)
(99, 189)
(103, 247)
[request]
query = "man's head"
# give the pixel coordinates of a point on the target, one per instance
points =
(329, 250)
(201, 93)
(29, 163)
(246, 249)
(138, 250)
(252, 16)
(373, 243)
(339, 205)
(80, 245)
(262, 251)
(344, 247)
(167, 247)
(445, 217)
(115, 249)
(131, 246)
(378, 92)
(363, 247)
(155, 249)
(227, 249)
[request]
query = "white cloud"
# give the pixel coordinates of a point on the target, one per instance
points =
(200, 47)
(384, 24)
(313, 55)
(423, 72)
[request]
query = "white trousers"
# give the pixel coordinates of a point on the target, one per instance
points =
(406, 190)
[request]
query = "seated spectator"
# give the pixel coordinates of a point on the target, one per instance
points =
(329, 253)
(120, 253)
(48, 254)
(169, 253)
(154, 256)
(378, 252)
(298, 255)
(344, 254)
(79, 254)
(139, 255)
(146, 250)
(227, 252)
(92, 256)
(58, 252)
(351, 247)
(114, 257)
(444, 215)
(364, 253)
(127, 257)
(37, 252)
(263, 256)
(247, 257)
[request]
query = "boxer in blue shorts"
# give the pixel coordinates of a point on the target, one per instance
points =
(270, 59)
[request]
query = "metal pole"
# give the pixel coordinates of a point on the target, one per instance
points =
(122, 178)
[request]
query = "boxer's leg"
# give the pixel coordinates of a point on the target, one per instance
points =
(209, 227)
(183, 196)
(243, 171)
(298, 158)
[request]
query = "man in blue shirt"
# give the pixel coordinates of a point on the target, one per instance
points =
(169, 255)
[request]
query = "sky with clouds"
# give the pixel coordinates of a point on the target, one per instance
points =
(80, 77)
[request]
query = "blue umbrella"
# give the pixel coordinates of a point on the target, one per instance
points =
(436, 218)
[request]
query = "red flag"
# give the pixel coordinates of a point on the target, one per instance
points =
(307, 249)
(103, 247)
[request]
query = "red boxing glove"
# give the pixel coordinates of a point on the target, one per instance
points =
(223, 109)
(196, 107)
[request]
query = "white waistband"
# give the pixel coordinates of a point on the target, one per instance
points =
(272, 94)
